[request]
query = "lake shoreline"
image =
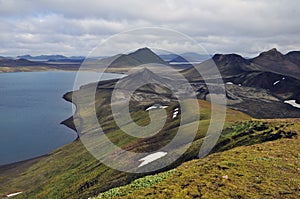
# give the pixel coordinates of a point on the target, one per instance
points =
(23, 94)
(69, 122)
(5, 69)
(66, 122)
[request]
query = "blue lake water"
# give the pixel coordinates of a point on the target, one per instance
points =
(31, 109)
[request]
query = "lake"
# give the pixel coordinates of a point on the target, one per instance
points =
(31, 109)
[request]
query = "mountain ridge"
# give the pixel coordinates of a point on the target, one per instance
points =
(136, 58)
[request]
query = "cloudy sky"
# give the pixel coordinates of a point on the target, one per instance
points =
(73, 27)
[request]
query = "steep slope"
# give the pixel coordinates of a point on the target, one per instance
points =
(252, 87)
(267, 170)
(233, 64)
(229, 66)
(274, 61)
(294, 56)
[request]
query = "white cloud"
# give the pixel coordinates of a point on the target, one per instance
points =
(74, 27)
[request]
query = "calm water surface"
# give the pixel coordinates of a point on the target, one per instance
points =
(31, 109)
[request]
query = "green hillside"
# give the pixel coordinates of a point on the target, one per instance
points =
(71, 172)
(267, 170)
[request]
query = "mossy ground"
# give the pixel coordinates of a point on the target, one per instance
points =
(266, 170)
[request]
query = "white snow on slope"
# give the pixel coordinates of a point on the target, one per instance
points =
(293, 103)
(175, 113)
(13, 194)
(156, 106)
(276, 82)
(150, 158)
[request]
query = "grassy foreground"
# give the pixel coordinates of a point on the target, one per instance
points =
(267, 170)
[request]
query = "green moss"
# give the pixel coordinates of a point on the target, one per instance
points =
(138, 184)
(268, 169)
(258, 171)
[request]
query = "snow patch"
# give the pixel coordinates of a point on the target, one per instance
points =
(276, 82)
(156, 106)
(150, 158)
(13, 194)
(229, 83)
(175, 113)
(293, 103)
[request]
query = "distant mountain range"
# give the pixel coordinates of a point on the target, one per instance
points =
(9, 62)
(141, 56)
(21, 62)
(52, 58)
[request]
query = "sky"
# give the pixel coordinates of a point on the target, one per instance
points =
(73, 27)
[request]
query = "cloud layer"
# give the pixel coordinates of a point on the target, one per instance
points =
(73, 27)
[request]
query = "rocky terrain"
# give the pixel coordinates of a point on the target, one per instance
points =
(252, 85)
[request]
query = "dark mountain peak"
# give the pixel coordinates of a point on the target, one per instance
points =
(231, 64)
(274, 61)
(145, 49)
(274, 50)
(146, 56)
(136, 58)
(228, 57)
(231, 60)
(228, 65)
(273, 54)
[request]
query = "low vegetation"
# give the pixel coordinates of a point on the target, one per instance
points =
(266, 170)
(71, 172)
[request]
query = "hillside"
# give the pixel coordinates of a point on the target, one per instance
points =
(274, 61)
(253, 85)
(267, 170)
(71, 172)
